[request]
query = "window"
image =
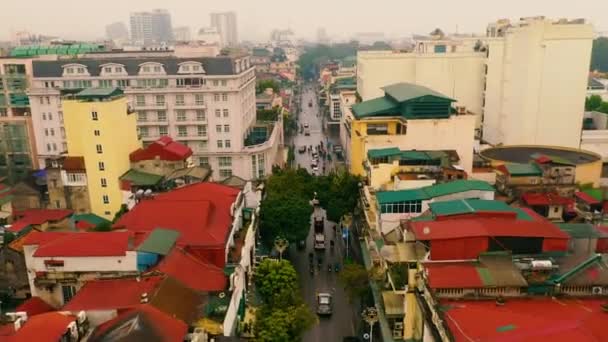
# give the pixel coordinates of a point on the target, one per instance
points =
(224, 83)
(68, 291)
(145, 69)
(118, 69)
(81, 70)
(179, 100)
(261, 168)
(64, 146)
(225, 111)
(199, 99)
(218, 113)
(46, 132)
(377, 129)
(157, 68)
(48, 147)
(99, 148)
(162, 130)
(62, 130)
(44, 116)
(163, 83)
(50, 116)
(161, 115)
(41, 100)
(202, 145)
(224, 161)
(123, 83)
(203, 161)
(140, 100)
(216, 97)
(401, 207)
(225, 173)
(182, 131)
(202, 130)
(215, 83)
(143, 131)
(220, 144)
(200, 115)
(104, 183)
(57, 204)
(70, 70)
(60, 116)
(52, 132)
(224, 97)
(96, 133)
(54, 147)
(105, 83)
(226, 128)
(181, 115)
(107, 69)
(94, 116)
(218, 128)
(106, 199)
(227, 143)
(160, 100)
(142, 116)
(196, 68)
(186, 68)
(102, 166)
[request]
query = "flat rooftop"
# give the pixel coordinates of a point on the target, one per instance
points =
(524, 154)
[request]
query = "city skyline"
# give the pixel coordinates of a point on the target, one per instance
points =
(303, 18)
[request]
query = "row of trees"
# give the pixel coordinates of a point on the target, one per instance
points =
(286, 210)
(595, 103)
(283, 316)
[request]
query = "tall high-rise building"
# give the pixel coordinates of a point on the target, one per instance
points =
(151, 27)
(117, 31)
(182, 34)
(225, 23)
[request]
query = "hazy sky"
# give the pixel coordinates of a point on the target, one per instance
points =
(83, 19)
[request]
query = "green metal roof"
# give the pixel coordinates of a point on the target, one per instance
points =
(98, 93)
(402, 92)
(597, 194)
(139, 178)
(470, 206)
(579, 230)
(39, 50)
(398, 154)
(383, 152)
(90, 218)
(432, 191)
(377, 106)
(522, 170)
(160, 241)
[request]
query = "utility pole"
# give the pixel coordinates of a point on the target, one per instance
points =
(370, 316)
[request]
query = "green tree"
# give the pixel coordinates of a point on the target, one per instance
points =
(355, 280)
(284, 324)
(286, 216)
(599, 55)
(103, 227)
(338, 193)
(277, 282)
(123, 209)
(262, 85)
(593, 102)
(603, 108)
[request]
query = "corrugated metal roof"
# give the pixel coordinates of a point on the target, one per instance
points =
(139, 178)
(580, 230)
(377, 106)
(160, 241)
(432, 191)
(402, 92)
(98, 93)
(522, 170)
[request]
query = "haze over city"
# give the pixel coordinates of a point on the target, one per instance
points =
(73, 19)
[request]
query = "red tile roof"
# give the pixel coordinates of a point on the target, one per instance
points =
(38, 216)
(486, 227)
(164, 148)
(112, 294)
(527, 320)
(81, 244)
(193, 272)
(165, 327)
(200, 212)
(453, 275)
(534, 199)
(34, 306)
(45, 327)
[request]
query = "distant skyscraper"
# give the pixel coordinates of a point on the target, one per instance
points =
(117, 31)
(182, 34)
(151, 27)
(322, 36)
(225, 23)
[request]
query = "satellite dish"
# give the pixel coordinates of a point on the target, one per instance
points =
(222, 295)
(366, 336)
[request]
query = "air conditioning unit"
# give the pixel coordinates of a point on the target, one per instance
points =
(398, 325)
(597, 290)
(397, 334)
(461, 109)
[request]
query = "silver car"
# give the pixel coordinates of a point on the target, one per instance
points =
(324, 304)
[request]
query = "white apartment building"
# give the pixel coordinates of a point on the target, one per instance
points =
(527, 80)
(225, 23)
(205, 103)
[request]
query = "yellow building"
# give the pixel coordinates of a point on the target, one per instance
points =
(409, 117)
(100, 128)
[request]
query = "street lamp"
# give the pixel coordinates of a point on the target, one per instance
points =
(370, 316)
(281, 245)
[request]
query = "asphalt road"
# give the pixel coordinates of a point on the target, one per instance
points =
(340, 323)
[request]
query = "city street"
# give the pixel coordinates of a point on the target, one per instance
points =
(340, 323)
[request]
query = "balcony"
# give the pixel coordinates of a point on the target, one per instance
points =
(261, 137)
(152, 122)
(150, 106)
(190, 105)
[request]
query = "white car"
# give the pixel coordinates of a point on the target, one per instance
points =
(315, 169)
(306, 125)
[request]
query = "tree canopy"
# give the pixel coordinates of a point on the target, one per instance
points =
(599, 55)
(314, 55)
(595, 103)
(277, 282)
(262, 85)
(355, 280)
(283, 324)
